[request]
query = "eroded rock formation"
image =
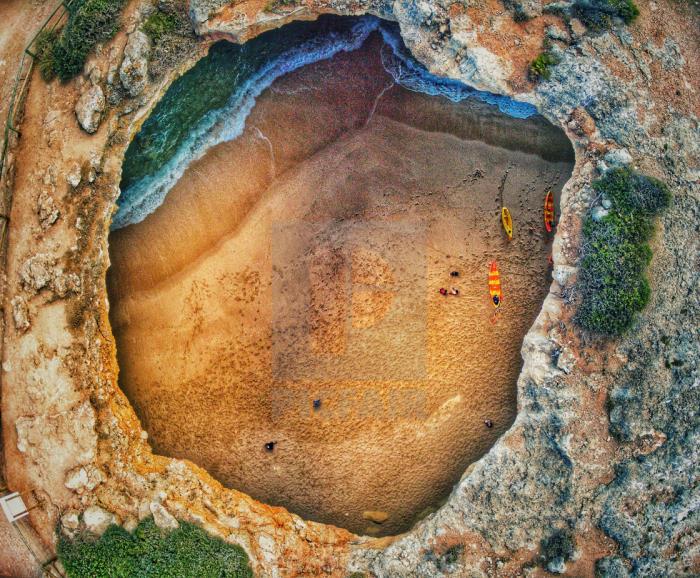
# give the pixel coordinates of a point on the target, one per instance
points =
(600, 469)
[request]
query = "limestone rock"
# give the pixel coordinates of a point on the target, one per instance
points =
(98, 520)
(84, 478)
(598, 213)
(41, 272)
(20, 313)
(73, 175)
(37, 271)
(133, 71)
(70, 520)
(90, 107)
(47, 210)
(162, 517)
(618, 158)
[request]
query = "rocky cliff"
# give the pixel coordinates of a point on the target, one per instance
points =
(599, 473)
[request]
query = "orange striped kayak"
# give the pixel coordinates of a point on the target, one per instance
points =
(507, 221)
(495, 285)
(549, 211)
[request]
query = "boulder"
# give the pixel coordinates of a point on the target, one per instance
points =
(89, 108)
(98, 520)
(133, 71)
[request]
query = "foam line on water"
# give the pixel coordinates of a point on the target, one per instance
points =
(412, 75)
(227, 123)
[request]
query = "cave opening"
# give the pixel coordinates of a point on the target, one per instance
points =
(289, 214)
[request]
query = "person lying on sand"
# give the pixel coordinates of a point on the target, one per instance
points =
(443, 291)
(454, 291)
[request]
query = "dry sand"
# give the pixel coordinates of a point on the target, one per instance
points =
(303, 261)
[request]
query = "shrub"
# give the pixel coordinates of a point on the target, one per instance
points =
(188, 552)
(43, 48)
(598, 14)
(559, 546)
(89, 22)
(541, 66)
(615, 255)
(159, 24)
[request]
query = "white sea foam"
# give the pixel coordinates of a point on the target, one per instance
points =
(228, 122)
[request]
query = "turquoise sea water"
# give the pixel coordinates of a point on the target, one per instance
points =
(209, 104)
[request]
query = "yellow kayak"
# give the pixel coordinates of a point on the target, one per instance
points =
(507, 221)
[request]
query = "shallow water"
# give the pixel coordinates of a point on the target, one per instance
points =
(210, 103)
(302, 261)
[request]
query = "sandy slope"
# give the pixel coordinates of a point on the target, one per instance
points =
(303, 262)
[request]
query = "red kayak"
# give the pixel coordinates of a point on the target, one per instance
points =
(549, 211)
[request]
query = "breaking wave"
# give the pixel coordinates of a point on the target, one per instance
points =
(252, 71)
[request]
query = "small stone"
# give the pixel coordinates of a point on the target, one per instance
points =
(37, 271)
(98, 520)
(618, 158)
(73, 175)
(598, 213)
(70, 520)
(566, 360)
(556, 33)
(77, 479)
(47, 210)
(20, 313)
(162, 517)
(89, 108)
(607, 203)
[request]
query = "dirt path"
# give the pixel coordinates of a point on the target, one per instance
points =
(303, 261)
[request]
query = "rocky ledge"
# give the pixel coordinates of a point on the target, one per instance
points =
(599, 473)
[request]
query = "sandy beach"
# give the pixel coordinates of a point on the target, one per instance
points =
(303, 262)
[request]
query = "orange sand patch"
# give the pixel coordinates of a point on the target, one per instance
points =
(302, 262)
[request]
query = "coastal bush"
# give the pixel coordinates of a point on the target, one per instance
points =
(611, 280)
(43, 49)
(89, 22)
(159, 24)
(171, 33)
(599, 14)
(149, 552)
(541, 66)
(557, 548)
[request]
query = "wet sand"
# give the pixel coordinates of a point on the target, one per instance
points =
(302, 262)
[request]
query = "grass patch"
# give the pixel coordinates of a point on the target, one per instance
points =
(611, 280)
(599, 14)
(149, 552)
(159, 24)
(541, 67)
(89, 22)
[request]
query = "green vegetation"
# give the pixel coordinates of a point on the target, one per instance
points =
(160, 23)
(275, 5)
(599, 14)
(188, 552)
(43, 48)
(611, 279)
(541, 66)
(559, 546)
(89, 22)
